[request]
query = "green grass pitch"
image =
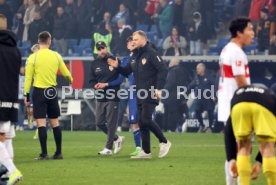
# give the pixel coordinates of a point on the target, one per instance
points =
(194, 159)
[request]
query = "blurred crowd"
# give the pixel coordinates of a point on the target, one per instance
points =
(176, 27)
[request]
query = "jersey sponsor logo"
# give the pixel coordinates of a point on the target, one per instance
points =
(144, 61)
(238, 63)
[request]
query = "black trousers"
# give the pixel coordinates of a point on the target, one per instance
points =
(146, 124)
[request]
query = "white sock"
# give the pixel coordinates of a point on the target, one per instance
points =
(9, 147)
(6, 160)
(229, 179)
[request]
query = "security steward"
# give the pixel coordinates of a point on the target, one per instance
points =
(42, 67)
(106, 99)
(149, 73)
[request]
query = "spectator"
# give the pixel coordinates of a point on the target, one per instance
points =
(124, 32)
(255, 9)
(197, 35)
(6, 10)
(190, 6)
(37, 26)
(175, 44)
(83, 18)
(43, 7)
(263, 30)
(18, 26)
(202, 83)
(60, 27)
(207, 12)
(177, 17)
(165, 18)
(242, 8)
(106, 19)
(174, 106)
(71, 24)
(28, 18)
(122, 14)
(150, 10)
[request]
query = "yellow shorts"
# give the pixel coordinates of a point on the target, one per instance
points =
(249, 116)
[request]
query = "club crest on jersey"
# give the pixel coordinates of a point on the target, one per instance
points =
(144, 61)
(110, 68)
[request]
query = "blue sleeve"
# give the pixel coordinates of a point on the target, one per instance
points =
(120, 79)
(117, 81)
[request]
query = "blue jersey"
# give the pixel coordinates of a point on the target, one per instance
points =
(120, 79)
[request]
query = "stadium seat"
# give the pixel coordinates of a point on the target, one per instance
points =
(222, 42)
(151, 36)
(143, 27)
(86, 42)
(153, 28)
(26, 44)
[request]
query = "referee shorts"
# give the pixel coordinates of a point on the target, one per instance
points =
(45, 103)
(249, 116)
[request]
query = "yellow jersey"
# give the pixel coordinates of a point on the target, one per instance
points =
(42, 67)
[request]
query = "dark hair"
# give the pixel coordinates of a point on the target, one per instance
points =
(43, 37)
(130, 38)
(238, 25)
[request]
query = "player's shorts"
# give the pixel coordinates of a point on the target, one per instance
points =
(7, 128)
(45, 103)
(132, 106)
(249, 116)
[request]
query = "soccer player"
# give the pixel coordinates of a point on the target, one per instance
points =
(234, 72)
(42, 66)
(254, 109)
(132, 103)
(10, 62)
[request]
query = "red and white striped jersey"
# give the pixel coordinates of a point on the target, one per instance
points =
(233, 62)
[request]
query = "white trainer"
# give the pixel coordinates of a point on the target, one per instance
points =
(164, 149)
(118, 144)
(142, 155)
(105, 151)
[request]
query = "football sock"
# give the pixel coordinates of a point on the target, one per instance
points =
(244, 169)
(269, 170)
(58, 139)
(42, 134)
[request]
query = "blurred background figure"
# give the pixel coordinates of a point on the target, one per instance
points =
(196, 34)
(175, 44)
(22, 109)
(175, 106)
(203, 101)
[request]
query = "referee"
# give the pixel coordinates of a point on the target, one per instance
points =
(42, 66)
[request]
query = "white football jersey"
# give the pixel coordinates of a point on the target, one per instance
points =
(233, 62)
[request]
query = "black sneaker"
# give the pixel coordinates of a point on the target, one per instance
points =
(56, 157)
(3, 170)
(42, 157)
(4, 181)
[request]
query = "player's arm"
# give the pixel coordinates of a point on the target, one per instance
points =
(116, 82)
(241, 80)
(64, 70)
(239, 71)
(28, 75)
(122, 70)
